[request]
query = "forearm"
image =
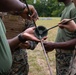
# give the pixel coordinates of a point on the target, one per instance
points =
(65, 45)
(13, 43)
(11, 5)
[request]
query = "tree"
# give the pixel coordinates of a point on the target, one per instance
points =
(46, 8)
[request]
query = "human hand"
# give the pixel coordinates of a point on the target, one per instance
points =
(33, 14)
(25, 45)
(49, 46)
(28, 34)
(70, 26)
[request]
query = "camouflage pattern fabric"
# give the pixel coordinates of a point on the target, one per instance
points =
(72, 67)
(20, 63)
(63, 61)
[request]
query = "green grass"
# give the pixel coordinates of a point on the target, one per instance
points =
(36, 58)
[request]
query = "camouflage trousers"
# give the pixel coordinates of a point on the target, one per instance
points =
(63, 61)
(73, 67)
(20, 63)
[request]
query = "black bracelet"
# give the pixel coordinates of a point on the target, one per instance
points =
(21, 39)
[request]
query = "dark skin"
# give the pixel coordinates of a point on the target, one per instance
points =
(16, 5)
(28, 34)
(49, 46)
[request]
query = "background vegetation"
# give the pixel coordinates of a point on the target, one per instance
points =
(47, 8)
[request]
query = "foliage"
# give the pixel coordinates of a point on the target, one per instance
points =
(49, 8)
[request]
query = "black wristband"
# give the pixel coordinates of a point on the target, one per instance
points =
(21, 39)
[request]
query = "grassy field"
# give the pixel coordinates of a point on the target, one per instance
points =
(36, 58)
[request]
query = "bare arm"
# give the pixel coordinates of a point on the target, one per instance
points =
(49, 46)
(66, 45)
(28, 34)
(18, 8)
(11, 5)
(14, 42)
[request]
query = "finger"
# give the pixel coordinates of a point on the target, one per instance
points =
(45, 37)
(34, 38)
(33, 28)
(65, 20)
(45, 42)
(34, 16)
(37, 39)
(61, 27)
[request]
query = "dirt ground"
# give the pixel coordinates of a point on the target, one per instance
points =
(14, 25)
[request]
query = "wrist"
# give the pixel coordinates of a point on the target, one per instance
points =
(56, 45)
(61, 45)
(21, 38)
